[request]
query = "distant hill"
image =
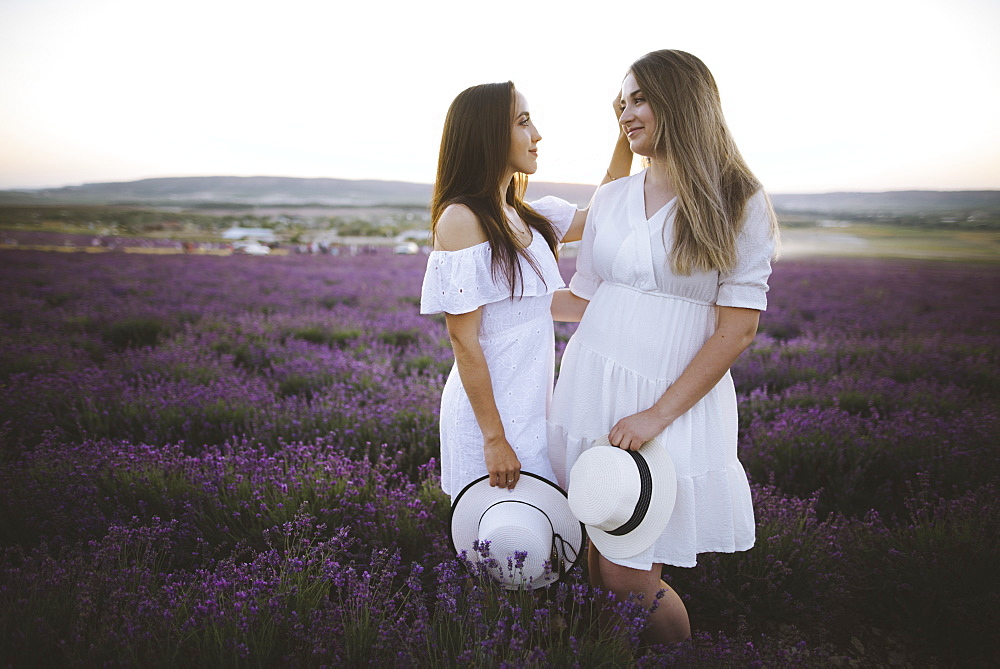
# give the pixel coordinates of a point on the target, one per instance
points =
(261, 191)
(293, 192)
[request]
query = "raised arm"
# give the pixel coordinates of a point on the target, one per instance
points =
(621, 158)
(458, 229)
(736, 331)
(620, 166)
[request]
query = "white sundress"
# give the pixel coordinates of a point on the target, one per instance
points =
(518, 342)
(641, 329)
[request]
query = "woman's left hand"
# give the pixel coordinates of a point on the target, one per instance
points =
(616, 104)
(631, 432)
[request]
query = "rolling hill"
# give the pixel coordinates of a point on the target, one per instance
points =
(295, 192)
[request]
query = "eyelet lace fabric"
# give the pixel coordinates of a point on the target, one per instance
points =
(518, 342)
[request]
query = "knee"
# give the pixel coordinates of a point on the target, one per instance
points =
(624, 580)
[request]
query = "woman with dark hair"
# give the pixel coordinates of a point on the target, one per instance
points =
(493, 272)
(670, 282)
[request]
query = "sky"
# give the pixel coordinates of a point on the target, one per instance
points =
(820, 96)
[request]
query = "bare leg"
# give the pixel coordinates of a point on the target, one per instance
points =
(669, 622)
(594, 566)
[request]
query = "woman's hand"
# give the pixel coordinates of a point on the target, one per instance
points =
(735, 331)
(621, 159)
(617, 105)
(500, 459)
(631, 432)
(502, 464)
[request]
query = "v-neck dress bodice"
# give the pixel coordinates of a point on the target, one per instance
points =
(517, 338)
(643, 326)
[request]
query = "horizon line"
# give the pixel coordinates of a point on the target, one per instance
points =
(430, 184)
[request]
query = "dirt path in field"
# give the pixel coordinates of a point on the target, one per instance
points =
(981, 246)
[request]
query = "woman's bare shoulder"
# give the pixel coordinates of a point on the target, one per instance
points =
(457, 229)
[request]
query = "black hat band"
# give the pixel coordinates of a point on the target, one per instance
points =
(645, 495)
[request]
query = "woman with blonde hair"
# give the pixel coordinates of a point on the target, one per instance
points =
(493, 273)
(670, 282)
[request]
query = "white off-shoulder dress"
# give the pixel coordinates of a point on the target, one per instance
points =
(518, 342)
(642, 327)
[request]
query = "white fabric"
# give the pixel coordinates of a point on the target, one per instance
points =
(642, 328)
(518, 341)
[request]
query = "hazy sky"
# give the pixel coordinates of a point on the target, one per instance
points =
(820, 95)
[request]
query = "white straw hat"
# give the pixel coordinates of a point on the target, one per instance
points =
(625, 498)
(532, 519)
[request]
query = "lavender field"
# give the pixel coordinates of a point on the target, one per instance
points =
(230, 461)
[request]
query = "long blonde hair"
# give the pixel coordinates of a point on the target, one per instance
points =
(712, 180)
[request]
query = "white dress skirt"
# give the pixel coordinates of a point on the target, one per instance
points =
(518, 342)
(643, 326)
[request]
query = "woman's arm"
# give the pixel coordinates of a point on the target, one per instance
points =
(737, 329)
(621, 158)
(568, 307)
(501, 461)
(620, 166)
(457, 229)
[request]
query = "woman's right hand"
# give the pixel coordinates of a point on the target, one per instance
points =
(502, 464)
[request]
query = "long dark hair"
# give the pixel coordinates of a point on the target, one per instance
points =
(475, 147)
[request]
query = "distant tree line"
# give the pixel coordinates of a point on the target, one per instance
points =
(134, 221)
(137, 221)
(121, 220)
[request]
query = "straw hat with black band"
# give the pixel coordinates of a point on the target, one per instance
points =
(623, 497)
(532, 519)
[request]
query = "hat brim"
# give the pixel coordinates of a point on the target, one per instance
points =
(661, 505)
(478, 496)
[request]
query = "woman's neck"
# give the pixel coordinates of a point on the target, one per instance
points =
(657, 177)
(503, 188)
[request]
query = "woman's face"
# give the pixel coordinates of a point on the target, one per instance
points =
(524, 138)
(637, 119)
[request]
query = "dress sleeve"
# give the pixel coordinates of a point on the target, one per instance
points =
(558, 211)
(746, 285)
(585, 281)
(457, 282)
